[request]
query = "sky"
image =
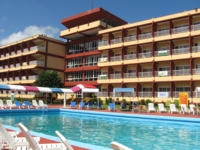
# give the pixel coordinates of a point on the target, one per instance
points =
(20, 19)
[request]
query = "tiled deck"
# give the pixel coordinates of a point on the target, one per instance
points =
(43, 140)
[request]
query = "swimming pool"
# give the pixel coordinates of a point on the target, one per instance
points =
(98, 128)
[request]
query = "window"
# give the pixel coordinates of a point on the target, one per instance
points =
(164, 89)
(163, 48)
(182, 89)
(147, 89)
(197, 23)
(181, 46)
(117, 72)
(182, 67)
(163, 29)
(164, 68)
(147, 70)
(104, 90)
(131, 71)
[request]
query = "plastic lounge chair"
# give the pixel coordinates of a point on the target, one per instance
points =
(90, 105)
(72, 105)
(18, 104)
(12, 133)
(118, 146)
(64, 141)
(82, 105)
(42, 105)
(123, 106)
(2, 106)
(10, 104)
(26, 104)
(135, 107)
(161, 108)
(192, 108)
(184, 109)
(196, 111)
(151, 107)
(35, 104)
(35, 146)
(111, 106)
(10, 142)
(173, 109)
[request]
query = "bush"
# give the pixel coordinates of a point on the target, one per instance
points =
(147, 102)
(109, 100)
(142, 102)
(176, 102)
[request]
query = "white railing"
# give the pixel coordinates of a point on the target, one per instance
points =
(90, 63)
(161, 33)
(164, 94)
(10, 79)
(2, 55)
(181, 51)
(116, 94)
(39, 48)
(103, 43)
(130, 56)
(145, 36)
(162, 73)
(196, 71)
(6, 67)
(34, 77)
(37, 62)
(25, 50)
(130, 75)
(181, 72)
(130, 38)
(12, 66)
(196, 94)
(19, 52)
(23, 78)
(130, 94)
(12, 53)
(180, 30)
(18, 65)
(5, 79)
(115, 76)
(116, 58)
(16, 78)
(195, 49)
(145, 55)
(162, 53)
(195, 27)
(103, 94)
(7, 54)
(145, 94)
(145, 74)
(1, 68)
(103, 59)
(176, 94)
(116, 41)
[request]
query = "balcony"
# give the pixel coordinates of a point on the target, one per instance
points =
(103, 43)
(176, 94)
(10, 79)
(37, 62)
(161, 33)
(130, 56)
(25, 50)
(180, 30)
(145, 36)
(12, 53)
(1, 68)
(115, 76)
(116, 94)
(158, 94)
(6, 67)
(115, 58)
(181, 51)
(145, 94)
(195, 27)
(130, 38)
(116, 41)
(162, 53)
(102, 77)
(195, 49)
(17, 79)
(103, 94)
(182, 72)
(103, 59)
(7, 54)
(18, 65)
(145, 74)
(19, 52)
(145, 55)
(130, 75)
(34, 77)
(162, 73)
(2, 55)
(196, 71)
(39, 48)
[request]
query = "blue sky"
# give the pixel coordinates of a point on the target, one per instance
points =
(23, 18)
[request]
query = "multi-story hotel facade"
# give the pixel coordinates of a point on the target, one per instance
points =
(158, 57)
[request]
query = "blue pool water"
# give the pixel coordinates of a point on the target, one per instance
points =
(100, 130)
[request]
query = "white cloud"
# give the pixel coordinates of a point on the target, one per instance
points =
(1, 30)
(30, 31)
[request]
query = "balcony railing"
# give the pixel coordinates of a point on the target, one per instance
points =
(145, 74)
(180, 30)
(181, 51)
(161, 33)
(103, 94)
(94, 63)
(12, 53)
(161, 94)
(181, 72)
(7, 54)
(176, 94)
(145, 94)
(130, 56)
(18, 65)
(195, 27)
(195, 49)
(11, 79)
(23, 78)
(5, 79)
(2, 55)
(19, 52)
(1, 68)
(6, 67)
(115, 58)
(37, 62)
(39, 48)
(130, 38)
(116, 94)
(116, 41)
(162, 73)
(103, 43)
(115, 76)
(130, 75)
(145, 36)
(103, 59)
(196, 94)
(34, 77)
(196, 71)
(162, 53)
(130, 94)
(102, 77)
(145, 55)
(16, 78)
(25, 50)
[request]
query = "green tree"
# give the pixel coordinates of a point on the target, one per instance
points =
(49, 78)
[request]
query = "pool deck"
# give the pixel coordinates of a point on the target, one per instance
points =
(44, 140)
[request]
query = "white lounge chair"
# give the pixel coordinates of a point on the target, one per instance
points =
(151, 107)
(9, 104)
(191, 106)
(35, 104)
(161, 108)
(64, 141)
(35, 146)
(118, 146)
(2, 106)
(42, 105)
(173, 109)
(184, 109)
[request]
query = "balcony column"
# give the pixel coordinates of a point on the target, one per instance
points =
(172, 88)
(138, 50)
(191, 65)
(83, 75)
(83, 61)
(28, 45)
(154, 68)
(138, 32)
(110, 71)
(110, 89)
(123, 70)
(153, 28)
(138, 69)
(28, 59)
(170, 26)
(192, 89)
(110, 37)
(110, 54)
(172, 66)
(123, 52)
(124, 34)
(154, 48)
(138, 89)
(190, 43)
(171, 45)
(154, 89)
(189, 22)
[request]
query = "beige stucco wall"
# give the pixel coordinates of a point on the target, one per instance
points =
(180, 22)
(117, 34)
(181, 42)
(196, 19)
(163, 25)
(56, 49)
(54, 62)
(145, 29)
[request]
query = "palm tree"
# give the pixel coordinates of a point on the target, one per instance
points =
(49, 78)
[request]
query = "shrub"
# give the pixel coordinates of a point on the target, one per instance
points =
(109, 100)
(176, 102)
(142, 102)
(147, 102)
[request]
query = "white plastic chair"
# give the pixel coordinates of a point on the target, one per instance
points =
(41, 104)
(2, 106)
(184, 109)
(192, 108)
(172, 108)
(35, 104)
(64, 141)
(35, 146)
(161, 108)
(10, 104)
(151, 107)
(118, 146)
